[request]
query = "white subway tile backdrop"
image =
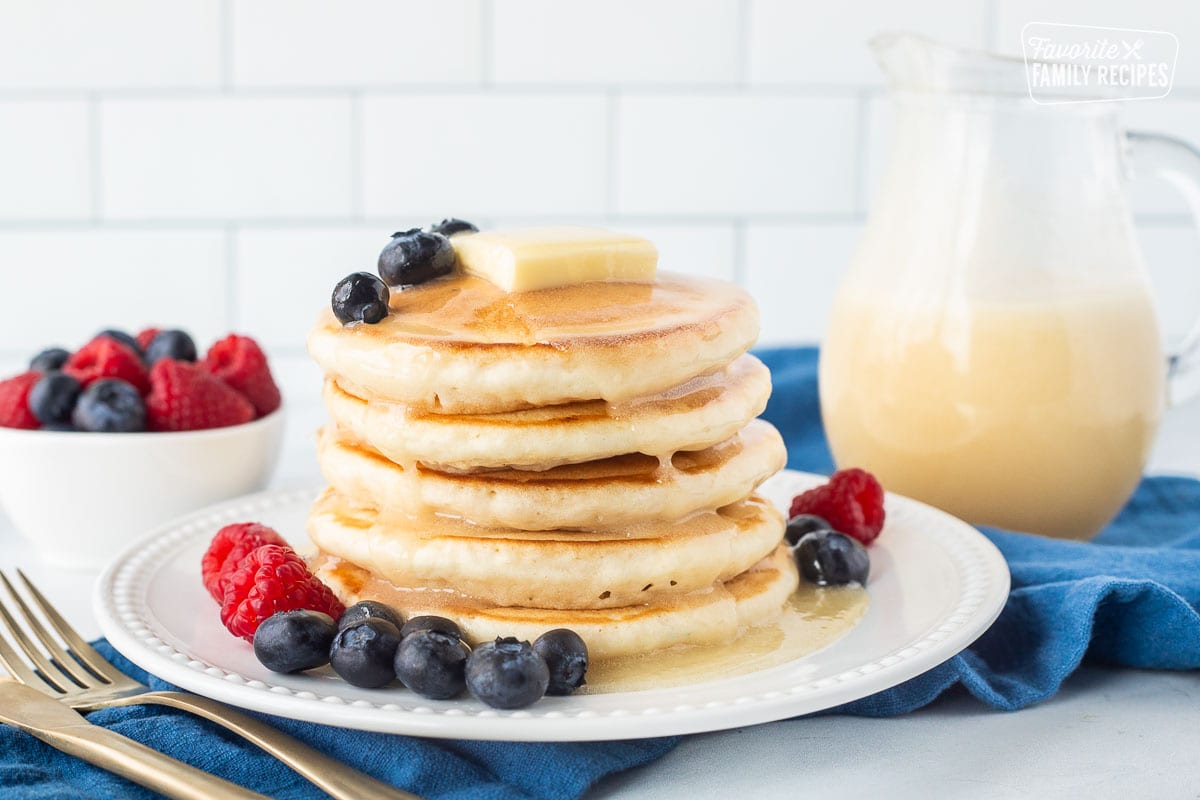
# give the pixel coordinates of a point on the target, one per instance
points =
(735, 155)
(225, 157)
(484, 154)
(72, 46)
(62, 285)
(219, 164)
(606, 42)
(44, 161)
(825, 43)
(307, 43)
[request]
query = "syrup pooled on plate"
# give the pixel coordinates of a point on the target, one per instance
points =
(813, 619)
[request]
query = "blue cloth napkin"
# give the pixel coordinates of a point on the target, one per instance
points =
(1129, 599)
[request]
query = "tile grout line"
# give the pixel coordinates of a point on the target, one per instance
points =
(226, 45)
(95, 170)
(357, 158)
(232, 304)
(85, 223)
(290, 350)
(862, 134)
(275, 349)
(416, 89)
(346, 221)
(612, 154)
(740, 268)
(743, 44)
(487, 43)
(991, 25)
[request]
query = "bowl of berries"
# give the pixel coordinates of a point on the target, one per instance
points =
(99, 445)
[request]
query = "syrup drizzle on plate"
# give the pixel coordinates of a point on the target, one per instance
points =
(813, 618)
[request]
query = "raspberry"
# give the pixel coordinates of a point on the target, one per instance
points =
(231, 544)
(268, 580)
(105, 357)
(240, 362)
(183, 397)
(144, 338)
(852, 502)
(14, 401)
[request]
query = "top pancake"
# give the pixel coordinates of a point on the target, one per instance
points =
(462, 345)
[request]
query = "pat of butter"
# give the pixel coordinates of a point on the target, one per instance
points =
(526, 259)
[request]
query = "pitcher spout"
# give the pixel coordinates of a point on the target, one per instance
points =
(915, 63)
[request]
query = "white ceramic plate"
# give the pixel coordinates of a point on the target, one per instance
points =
(936, 584)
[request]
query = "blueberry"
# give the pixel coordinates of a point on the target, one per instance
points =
(53, 398)
(110, 406)
(122, 337)
(293, 641)
(433, 664)
(566, 655)
(829, 558)
(47, 360)
(415, 256)
(369, 609)
(429, 622)
(801, 524)
(171, 344)
(61, 427)
(507, 674)
(453, 225)
(364, 653)
(360, 297)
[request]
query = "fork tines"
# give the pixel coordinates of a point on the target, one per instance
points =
(60, 666)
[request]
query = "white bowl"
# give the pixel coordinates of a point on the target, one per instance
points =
(82, 497)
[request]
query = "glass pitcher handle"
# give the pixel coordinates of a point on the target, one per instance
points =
(1178, 162)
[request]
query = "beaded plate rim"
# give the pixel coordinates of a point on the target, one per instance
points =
(126, 616)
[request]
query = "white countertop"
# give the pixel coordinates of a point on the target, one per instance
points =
(1109, 732)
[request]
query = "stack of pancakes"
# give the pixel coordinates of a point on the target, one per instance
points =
(583, 457)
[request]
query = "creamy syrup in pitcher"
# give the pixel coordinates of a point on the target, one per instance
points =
(1033, 415)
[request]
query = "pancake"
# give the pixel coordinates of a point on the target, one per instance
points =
(464, 346)
(714, 615)
(583, 456)
(640, 563)
(703, 412)
(621, 490)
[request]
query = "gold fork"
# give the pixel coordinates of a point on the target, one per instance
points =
(29, 710)
(78, 676)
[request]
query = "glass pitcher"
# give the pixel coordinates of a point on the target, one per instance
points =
(993, 349)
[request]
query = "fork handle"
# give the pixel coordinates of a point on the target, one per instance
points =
(333, 777)
(122, 756)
